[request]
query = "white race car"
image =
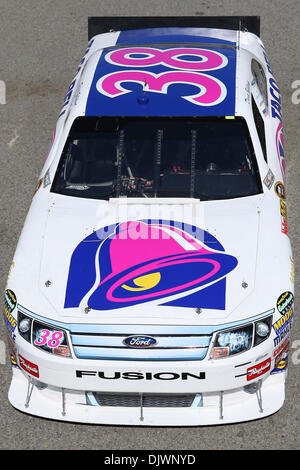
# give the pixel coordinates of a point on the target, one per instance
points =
(152, 283)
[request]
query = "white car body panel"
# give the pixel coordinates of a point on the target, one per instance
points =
(251, 230)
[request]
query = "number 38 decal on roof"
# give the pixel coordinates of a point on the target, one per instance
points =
(189, 65)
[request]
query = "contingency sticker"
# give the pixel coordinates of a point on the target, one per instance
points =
(269, 179)
(283, 213)
(285, 302)
(281, 358)
(280, 190)
(10, 302)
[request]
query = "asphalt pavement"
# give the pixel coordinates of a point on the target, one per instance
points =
(41, 45)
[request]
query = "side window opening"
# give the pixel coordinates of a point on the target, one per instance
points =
(259, 85)
(260, 127)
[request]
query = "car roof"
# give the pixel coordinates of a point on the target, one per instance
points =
(110, 85)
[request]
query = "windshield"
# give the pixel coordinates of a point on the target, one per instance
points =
(204, 158)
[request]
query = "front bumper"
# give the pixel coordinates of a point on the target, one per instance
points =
(147, 392)
(230, 406)
(220, 389)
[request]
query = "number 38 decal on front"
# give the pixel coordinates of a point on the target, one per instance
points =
(50, 338)
(190, 76)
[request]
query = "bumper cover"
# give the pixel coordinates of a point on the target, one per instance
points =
(230, 406)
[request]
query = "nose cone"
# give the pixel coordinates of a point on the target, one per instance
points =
(141, 262)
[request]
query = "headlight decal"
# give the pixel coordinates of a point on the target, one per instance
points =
(231, 342)
(50, 340)
(240, 339)
(44, 336)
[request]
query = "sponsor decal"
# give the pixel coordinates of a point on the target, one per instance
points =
(285, 302)
(12, 351)
(13, 360)
(280, 190)
(269, 179)
(10, 302)
(164, 80)
(275, 99)
(292, 278)
(259, 369)
(29, 367)
(159, 262)
(282, 365)
(283, 213)
(140, 375)
(276, 113)
(274, 91)
(282, 327)
(277, 352)
(11, 323)
(140, 341)
(62, 351)
(284, 228)
(282, 333)
(281, 358)
(283, 210)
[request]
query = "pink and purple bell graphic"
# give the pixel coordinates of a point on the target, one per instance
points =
(135, 262)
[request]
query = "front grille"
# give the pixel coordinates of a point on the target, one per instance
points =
(130, 400)
(173, 343)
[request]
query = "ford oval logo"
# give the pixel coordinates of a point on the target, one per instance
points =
(140, 341)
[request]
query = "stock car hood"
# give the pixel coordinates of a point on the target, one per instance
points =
(144, 262)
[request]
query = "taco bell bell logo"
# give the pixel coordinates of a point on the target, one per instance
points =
(166, 265)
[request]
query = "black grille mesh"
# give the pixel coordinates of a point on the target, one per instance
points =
(147, 401)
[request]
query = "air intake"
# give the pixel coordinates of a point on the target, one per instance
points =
(131, 400)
